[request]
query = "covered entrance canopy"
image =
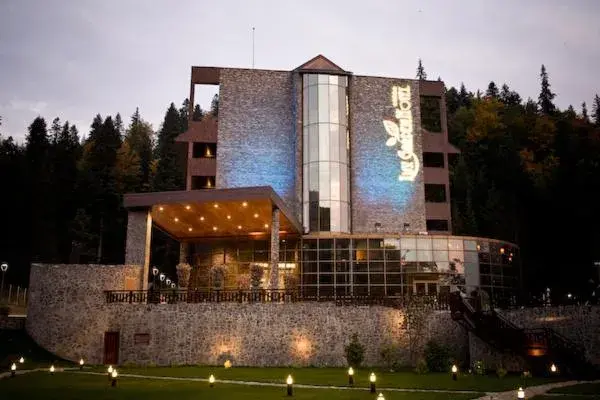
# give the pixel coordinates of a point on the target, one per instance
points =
(211, 213)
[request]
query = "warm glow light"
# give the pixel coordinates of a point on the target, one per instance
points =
(255, 215)
(478, 247)
(81, 362)
(21, 360)
(13, 367)
(289, 380)
(190, 229)
(350, 371)
(245, 204)
(114, 374)
(52, 368)
(520, 393)
(501, 250)
(372, 377)
(216, 205)
(239, 227)
(214, 228)
(176, 219)
(110, 369)
(227, 364)
(211, 379)
(187, 207)
(553, 368)
(380, 397)
(454, 369)
(266, 225)
(201, 218)
(229, 217)
(161, 209)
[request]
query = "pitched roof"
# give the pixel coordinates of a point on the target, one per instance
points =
(320, 63)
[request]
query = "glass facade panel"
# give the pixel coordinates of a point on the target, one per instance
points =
(334, 106)
(313, 104)
(424, 243)
(324, 181)
(455, 244)
(440, 244)
(313, 143)
(323, 142)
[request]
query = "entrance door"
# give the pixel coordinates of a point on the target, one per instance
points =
(111, 348)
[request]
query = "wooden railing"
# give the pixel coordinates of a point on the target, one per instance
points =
(268, 296)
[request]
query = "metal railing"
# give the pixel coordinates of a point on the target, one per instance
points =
(268, 296)
(13, 295)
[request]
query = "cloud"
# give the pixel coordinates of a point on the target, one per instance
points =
(36, 107)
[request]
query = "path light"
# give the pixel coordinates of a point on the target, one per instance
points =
(173, 285)
(350, 376)
(372, 379)
(114, 375)
(211, 380)
(454, 372)
(520, 393)
(21, 360)
(110, 371)
(13, 370)
(380, 397)
(52, 370)
(168, 281)
(290, 382)
(81, 362)
(553, 368)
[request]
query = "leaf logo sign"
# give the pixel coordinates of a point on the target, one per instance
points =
(401, 133)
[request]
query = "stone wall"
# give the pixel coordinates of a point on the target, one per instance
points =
(378, 196)
(12, 322)
(68, 316)
(580, 324)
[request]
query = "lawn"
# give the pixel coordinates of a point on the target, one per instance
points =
(339, 377)
(76, 386)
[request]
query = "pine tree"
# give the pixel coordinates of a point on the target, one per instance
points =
(546, 96)
(119, 124)
(421, 75)
(198, 113)
(184, 113)
(169, 172)
(214, 106)
(570, 113)
(55, 130)
(464, 96)
(596, 110)
(584, 112)
(509, 97)
(139, 141)
(492, 90)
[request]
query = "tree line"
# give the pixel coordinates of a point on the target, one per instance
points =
(528, 173)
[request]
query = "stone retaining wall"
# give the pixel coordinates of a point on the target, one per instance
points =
(12, 323)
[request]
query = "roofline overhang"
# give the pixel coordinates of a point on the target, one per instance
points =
(147, 200)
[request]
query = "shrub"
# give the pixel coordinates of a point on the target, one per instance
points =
(479, 367)
(355, 352)
(256, 274)
(218, 276)
(438, 357)
(501, 372)
(389, 354)
(421, 367)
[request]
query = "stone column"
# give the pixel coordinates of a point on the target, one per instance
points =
(184, 252)
(274, 278)
(137, 246)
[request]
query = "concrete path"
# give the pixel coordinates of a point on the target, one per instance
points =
(532, 391)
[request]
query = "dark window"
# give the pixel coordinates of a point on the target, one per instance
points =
(204, 150)
(203, 182)
(435, 193)
(430, 113)
(437, 225)
(433, 160)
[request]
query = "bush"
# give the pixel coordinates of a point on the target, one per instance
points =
(256, 275)
(355, 352)
(501, 372)
(438, 357)
(421, 367)
(479, 367)
(388, 354)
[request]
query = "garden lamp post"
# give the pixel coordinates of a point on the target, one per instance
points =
(110, 371)
(3, 268)
(372, 379)
(154, 275)
(211, 380)
(13, 370)
(380, 397)
(52, 370)
(520, 393)
(168, 282)
(161, 277)
(113, 381)
(81, 363)
(454, 372)
(350, 376)
(290, 383)
(21, 360)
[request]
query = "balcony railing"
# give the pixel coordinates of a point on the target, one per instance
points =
(268, 296)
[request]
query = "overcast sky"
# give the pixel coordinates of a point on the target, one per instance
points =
(76, 58)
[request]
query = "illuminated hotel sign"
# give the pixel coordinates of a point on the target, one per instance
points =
(401, 133)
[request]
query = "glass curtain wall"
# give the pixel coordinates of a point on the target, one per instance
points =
(326, 190)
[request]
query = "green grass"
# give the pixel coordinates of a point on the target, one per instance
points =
(16, 343)
(75, 386)
(568, 397)
(339, 377)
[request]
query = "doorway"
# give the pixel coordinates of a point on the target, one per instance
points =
(111, 348)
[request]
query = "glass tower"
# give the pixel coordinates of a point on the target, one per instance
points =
(325, 144)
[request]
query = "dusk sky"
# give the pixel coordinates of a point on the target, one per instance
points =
(74, 58)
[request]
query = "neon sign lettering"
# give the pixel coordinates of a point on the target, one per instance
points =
(401, 133)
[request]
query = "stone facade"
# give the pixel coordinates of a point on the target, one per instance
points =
(257, 132)
(376, 192)
(581, 324)
(68, 316)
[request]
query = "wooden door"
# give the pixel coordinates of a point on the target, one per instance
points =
(111, 348)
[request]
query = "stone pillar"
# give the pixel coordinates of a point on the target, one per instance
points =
(184, 252)
(137, 246)
(274, 278)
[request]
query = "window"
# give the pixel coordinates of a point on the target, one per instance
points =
(203, 182)
(435, 193)
(204, 150)
(437, 225)
(433, 160)
(430, 113)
